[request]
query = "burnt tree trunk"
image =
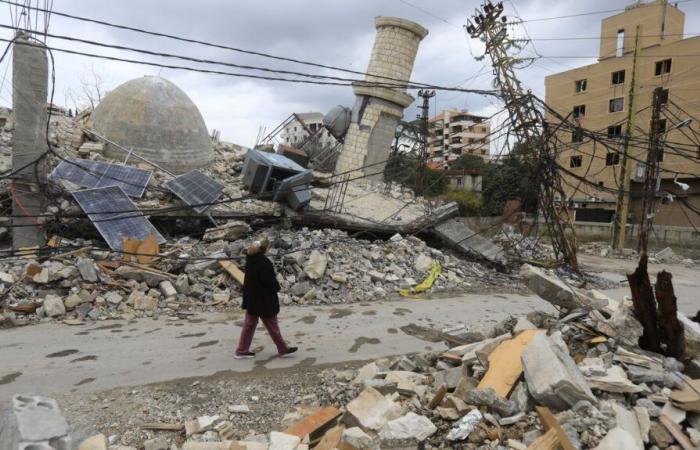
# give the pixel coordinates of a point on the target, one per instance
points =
(670, 327)
(645, 306)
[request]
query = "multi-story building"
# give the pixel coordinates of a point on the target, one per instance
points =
(303, 125)
(453, 133)
(601, 99)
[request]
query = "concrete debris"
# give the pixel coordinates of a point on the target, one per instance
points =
(552, 376)
(34, 421)
(371, 410)
(53, 306)
(97, 442)
(555, 291)
(410, 427)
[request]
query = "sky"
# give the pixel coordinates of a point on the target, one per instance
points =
(338, 33)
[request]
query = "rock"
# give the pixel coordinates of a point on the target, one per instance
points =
(371, 410)
(617, 439)
(555, 291)
(33, 419)
(489, 399)
(86, 267)
(658, 435)
(339, 277)
(694, 436)
(423, 263)
(230, 231)
(167, 289)
(113, 298)
(283, 441)
(182, 284)
(7, 278)
(677, 415)
(53, 306)
(411, 427)
(97, 442)
(627, 420)
(145, 303)
(650, 406)
(358, 439)
(644, 421)
(522, 324)
(200, 424)
(72, 301)
(366, 372)
(315, 267)
(665, 255)
(449, 377)
(691, 331)
(383, 386)
(516, 445)
(469, 352)
(614, 379)
(301, 288)
(238, 408)
(156, 444)
(552, 377)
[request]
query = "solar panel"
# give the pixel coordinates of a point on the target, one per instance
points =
(195, 188)
(95, 174)
(114, 215)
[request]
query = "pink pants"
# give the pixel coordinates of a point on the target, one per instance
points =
(248, 330)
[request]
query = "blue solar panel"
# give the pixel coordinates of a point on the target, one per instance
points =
(196, 189)
(115, 216)
(94, 174)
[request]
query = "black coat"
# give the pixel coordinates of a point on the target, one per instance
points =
(260, 287)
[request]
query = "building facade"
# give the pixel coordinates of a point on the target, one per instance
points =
(454, 132)
(304, 125)
(602, 100)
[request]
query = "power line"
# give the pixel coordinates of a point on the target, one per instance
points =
(590, 13)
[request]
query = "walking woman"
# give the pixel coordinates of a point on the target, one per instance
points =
(260, 301)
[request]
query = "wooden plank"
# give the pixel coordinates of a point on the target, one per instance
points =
(547, 441)
(317, 420)
(130, 246)
(439, 395)
(687, 398)
(677, 432)
(147, 250)
(451, 357)
(177, 427)
(504, 363)
(234, 271)
(331, 439)
(551, 423)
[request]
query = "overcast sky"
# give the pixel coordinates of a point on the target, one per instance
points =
(334, 32)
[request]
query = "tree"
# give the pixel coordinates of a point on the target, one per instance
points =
(402, 168)
(91, 89)
(509, 180)
(468, 162)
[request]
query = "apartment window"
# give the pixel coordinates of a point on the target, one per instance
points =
(295, 138)
(295, 129)
(618, 77)
(579, 111)
(616, 104)
(580, 85)
(620, 44)
(287, 139)
(612, 159)
(576, 161)
(662, 67)
(577, 135)
(615, 131)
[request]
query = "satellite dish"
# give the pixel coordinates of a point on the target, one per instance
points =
(337, 121)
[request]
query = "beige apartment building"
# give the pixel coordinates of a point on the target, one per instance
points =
(600, 97)
(454, 132)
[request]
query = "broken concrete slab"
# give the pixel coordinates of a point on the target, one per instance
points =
(691, 331)
(229, 231)
(371, 410)
(358, 439)
(283, 441)
(411, 427)
(627, 420)
(97, 442)
(555, 291)
(87, 269)
(488, 398)
(552, 376)
(315, 267)
(34, 421)
(53, 306)
(613, 379)
(617, 439)
(456, 234)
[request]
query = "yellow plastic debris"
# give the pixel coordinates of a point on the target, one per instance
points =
(435, 272)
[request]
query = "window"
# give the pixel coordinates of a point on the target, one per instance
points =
(612, 159)
(579, 111)
(662, 67)
(576, 161)
(616, 104)
(615, 131)
(312, 127)
(295, 129)
(620, 44)
(618, 77)
(577, 135)
(287, 138)
(295, 138)
(580, 85)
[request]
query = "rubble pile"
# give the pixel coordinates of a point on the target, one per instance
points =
(520, 247)
(314, 267)
(576, 380)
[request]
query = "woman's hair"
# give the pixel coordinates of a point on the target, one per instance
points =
(260, 245)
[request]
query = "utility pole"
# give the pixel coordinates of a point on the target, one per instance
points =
(528, 126)
(426, 95)
(29, 93)
(623, 195)
(651, 172)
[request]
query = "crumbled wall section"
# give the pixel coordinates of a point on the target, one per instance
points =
(393, 55)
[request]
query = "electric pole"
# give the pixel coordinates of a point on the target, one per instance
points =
(623, 195)
(528, 126)
(651, 172)
(426, 95)
(29, 94)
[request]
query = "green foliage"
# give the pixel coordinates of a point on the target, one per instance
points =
(509, 180)
(401, 168)
(469, 162)
(469, 202)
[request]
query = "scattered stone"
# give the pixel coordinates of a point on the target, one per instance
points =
(423, 263)
(315, 267)
(53, 306)
(371, 410)
(411, 427)
(97, 442)
(282, 441)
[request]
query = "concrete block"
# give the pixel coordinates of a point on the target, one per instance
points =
(371, 411)
(34, 423)
(552, 377)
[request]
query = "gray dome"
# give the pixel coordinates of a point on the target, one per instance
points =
(158, 121)
(337, 121)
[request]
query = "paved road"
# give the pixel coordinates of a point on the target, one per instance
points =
(50, 358)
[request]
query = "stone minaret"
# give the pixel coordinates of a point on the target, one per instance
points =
(377, 110)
